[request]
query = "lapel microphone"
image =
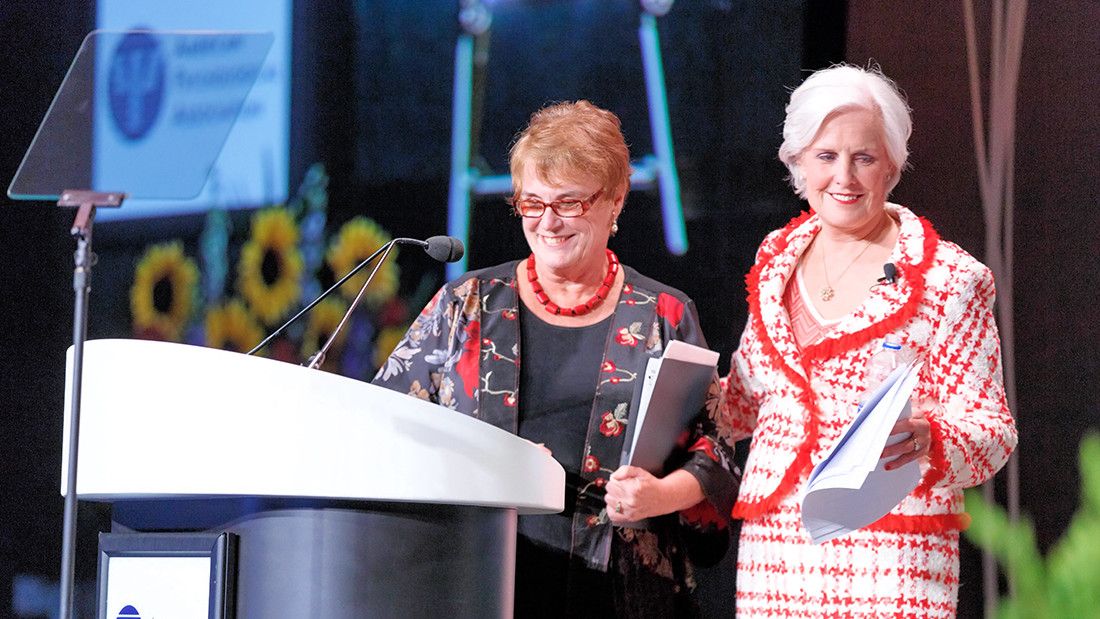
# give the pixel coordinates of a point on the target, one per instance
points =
(890, 274)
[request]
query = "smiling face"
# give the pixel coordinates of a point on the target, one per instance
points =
(568, 247)
(847, 171)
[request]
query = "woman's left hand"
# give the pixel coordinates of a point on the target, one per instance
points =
(914, 447)
(634, 494)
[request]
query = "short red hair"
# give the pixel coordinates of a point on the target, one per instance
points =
(572, 139)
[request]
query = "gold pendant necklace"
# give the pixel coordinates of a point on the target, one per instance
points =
(827, 293)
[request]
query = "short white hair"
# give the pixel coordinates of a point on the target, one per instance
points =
(841, 88)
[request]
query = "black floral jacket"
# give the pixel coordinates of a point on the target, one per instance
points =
(463, 352)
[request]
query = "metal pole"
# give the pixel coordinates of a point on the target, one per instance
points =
(661, 129)
(458, 203)
(84, 259)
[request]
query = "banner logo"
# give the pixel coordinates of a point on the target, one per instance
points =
(136, 84)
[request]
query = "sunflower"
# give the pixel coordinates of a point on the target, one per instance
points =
(322, 322)
(357, 240)
(270, 268)
(231, 327)
(162, 297)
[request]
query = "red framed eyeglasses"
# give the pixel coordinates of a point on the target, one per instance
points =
(567, 207)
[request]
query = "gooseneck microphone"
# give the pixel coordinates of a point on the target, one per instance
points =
(441, 248)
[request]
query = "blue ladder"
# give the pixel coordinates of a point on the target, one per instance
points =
(657, 169)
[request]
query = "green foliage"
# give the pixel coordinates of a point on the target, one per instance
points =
(1065, 584)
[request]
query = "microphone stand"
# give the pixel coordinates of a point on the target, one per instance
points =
(84, 259)
(319, 357)
(441, 248)
(359, 267)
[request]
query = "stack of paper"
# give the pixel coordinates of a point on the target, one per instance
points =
(850, 488)
(671, 395)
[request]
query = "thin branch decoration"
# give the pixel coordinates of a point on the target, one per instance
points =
(996, 176)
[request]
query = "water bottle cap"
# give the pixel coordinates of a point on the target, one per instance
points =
(892, 342)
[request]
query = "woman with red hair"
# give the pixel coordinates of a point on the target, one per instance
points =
(551, 348)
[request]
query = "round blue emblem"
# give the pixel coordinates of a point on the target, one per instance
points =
(136, 84)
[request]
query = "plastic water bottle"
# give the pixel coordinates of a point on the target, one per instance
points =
(883, 363)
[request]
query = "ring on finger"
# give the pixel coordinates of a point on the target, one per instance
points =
(619, 507)
(916, 445)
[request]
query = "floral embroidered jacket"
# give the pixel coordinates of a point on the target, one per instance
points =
(463, 352)
(796, 402)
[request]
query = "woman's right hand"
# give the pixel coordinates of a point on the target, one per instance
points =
(914, 447)
(634, 494)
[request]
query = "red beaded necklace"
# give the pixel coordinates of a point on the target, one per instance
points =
(583, 308)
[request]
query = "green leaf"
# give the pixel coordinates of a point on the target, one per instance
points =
(1089, 461)
(1013, 545)
(1067, 582)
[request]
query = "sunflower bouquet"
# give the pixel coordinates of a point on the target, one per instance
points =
(285, 262)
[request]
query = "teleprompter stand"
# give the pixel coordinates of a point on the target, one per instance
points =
(85, 202)
(113, 124)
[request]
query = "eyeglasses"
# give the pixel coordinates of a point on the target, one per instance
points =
(569, 207)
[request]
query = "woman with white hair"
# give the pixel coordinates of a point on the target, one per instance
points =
(819, 308)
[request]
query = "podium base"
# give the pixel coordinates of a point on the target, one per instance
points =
(348, 560)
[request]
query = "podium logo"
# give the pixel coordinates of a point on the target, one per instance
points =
(136, 84)
(128, 612)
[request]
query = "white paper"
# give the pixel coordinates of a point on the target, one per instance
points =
(652, 369)
(851, 488)
(682, 351)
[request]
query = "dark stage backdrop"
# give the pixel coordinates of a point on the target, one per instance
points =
(727, 66)
(371, 99)
(1057, 214)
(35, 302)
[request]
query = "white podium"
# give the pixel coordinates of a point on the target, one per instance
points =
(349, 500)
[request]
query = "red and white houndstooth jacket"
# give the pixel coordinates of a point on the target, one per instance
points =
(795, 403)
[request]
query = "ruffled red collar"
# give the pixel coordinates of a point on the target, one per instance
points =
(776, 261)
